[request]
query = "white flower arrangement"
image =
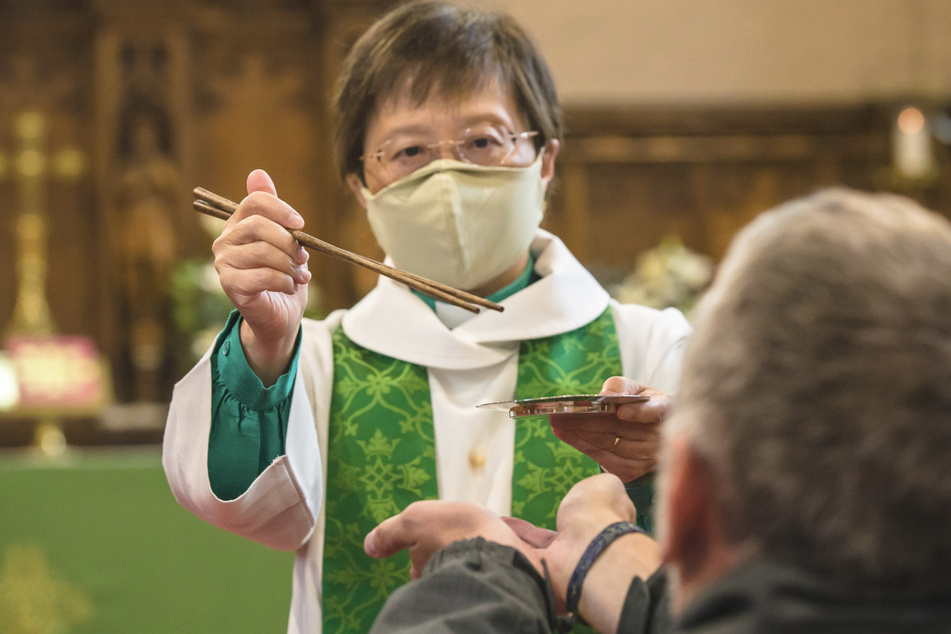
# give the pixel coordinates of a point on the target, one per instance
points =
(669, 275)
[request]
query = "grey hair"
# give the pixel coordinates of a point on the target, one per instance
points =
(817, 385)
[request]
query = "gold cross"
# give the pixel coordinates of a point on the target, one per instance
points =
(31, 165)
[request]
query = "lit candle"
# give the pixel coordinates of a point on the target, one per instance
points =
(911, 144)
(9, 385)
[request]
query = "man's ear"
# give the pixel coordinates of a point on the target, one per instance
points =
(549, 153)
(355, 185)
(692, 526)
(696, 547)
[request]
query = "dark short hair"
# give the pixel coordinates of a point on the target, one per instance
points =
(436, 46)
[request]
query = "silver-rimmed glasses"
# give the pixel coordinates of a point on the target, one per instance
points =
(487, 145)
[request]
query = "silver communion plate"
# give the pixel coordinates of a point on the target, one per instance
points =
(566, 404)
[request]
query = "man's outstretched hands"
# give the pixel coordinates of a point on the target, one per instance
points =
(590, 506)
(586, 510)
(430, 525)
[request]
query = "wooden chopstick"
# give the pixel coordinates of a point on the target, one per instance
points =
(220, 207)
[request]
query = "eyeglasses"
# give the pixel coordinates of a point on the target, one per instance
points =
(487, 145)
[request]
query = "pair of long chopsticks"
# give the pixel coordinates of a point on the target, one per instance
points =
(220, 207)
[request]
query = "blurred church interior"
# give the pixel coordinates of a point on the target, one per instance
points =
(684, 120)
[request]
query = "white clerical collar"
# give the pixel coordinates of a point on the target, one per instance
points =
(392, 321)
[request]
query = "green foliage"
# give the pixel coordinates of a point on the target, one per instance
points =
(200, 307)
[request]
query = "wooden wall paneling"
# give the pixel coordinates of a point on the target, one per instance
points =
(344, 21)
(343, 221)
(568, 213)
(256, 106)
(702, 173)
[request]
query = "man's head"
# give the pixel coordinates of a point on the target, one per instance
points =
(435, 50)
(813, 423)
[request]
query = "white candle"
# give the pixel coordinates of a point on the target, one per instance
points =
(911, 141)
(9, 385)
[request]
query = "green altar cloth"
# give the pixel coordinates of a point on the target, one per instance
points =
(95, 542)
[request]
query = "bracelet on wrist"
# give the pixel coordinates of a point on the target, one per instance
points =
(594, 550)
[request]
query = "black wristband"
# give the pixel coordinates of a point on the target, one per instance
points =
(594, 550)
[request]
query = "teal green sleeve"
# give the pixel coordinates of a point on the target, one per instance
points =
(641, 492)
(248, 421)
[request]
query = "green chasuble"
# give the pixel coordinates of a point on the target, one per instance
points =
(381, 455)
(576, 362)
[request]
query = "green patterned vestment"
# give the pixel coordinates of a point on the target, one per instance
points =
(576, 362)
(381, 455)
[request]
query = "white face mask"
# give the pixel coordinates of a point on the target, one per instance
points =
(458, 223)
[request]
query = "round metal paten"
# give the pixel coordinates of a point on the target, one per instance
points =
(566, 404)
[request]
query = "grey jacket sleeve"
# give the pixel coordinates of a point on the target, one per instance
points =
(471, 586)
(647, 607)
